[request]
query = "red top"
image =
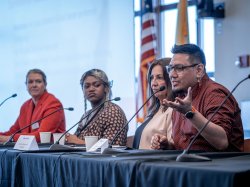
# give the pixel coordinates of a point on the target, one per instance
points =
(207, 97)
(29, 113)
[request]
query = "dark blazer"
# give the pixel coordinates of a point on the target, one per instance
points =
(138, 132)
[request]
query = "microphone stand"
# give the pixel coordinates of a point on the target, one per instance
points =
(185, 156)
(14, 95)
(57, 146)
(11, 137)
(109, 149)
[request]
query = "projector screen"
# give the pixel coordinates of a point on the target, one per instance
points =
(64, 39)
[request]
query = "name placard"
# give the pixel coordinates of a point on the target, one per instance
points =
(101, 144)
(26, 142)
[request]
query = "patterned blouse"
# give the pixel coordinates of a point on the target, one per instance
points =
(104, 123)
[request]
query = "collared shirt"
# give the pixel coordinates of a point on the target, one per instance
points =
(207, 97)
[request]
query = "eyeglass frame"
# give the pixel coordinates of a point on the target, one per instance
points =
(180, 67)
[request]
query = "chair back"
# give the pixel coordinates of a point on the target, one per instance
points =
(130, 140)
(247, 145)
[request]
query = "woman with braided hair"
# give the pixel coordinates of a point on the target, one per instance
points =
(106, 119)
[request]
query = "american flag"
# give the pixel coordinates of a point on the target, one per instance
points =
(148, 54)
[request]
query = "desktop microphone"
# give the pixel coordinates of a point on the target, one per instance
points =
(107, 150)
(29, 125)
(14, 95)
(185, 156)
(57, 146)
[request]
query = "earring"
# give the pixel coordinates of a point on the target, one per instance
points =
(85, 104)
(199, 80)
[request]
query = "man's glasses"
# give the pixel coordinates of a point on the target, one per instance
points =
(178, 68)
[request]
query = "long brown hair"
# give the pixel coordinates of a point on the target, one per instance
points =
(154, 101)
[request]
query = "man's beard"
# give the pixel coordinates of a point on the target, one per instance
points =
(179, 92)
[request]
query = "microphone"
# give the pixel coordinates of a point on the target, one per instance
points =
(185, 156)
(107, 150)
(57, 146)
(14, 95)
(11, 137)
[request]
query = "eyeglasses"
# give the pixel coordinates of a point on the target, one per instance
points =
(179, 67)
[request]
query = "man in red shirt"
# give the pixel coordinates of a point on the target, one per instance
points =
(197, 98)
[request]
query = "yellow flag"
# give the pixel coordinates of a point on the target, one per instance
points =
(182, 36)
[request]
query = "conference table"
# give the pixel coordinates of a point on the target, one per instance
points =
(121, 168)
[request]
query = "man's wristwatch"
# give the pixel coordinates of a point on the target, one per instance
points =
(190, 114)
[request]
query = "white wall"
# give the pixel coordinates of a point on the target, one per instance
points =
(65, 39)
(232, 39)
